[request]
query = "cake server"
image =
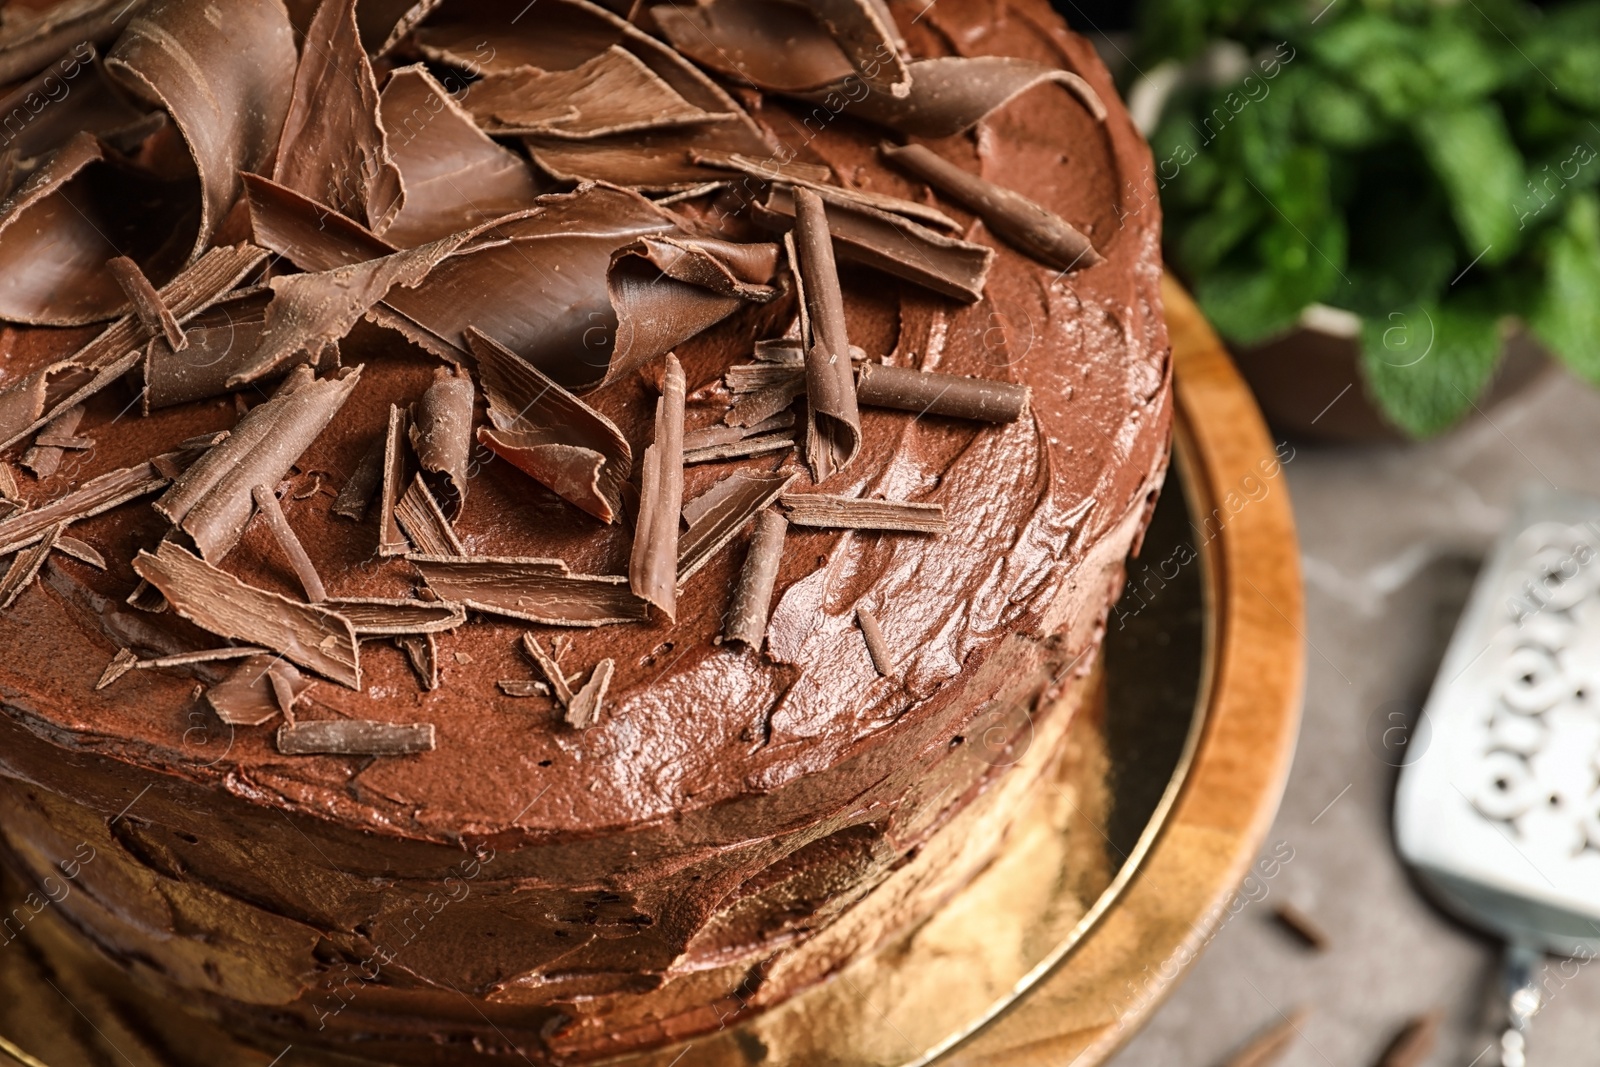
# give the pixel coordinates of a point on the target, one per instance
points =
(1498, 805)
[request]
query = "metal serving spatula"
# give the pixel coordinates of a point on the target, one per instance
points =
(1499, 811)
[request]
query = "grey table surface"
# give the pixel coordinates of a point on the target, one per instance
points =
(1391, 538)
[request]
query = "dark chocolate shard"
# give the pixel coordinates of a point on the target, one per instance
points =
(774, 171)
(31, 37)
(560, 687)
(333, 146)
(827, 512)
(229, 113)
(790, 48)
(952, 94)
(584, 709)
(304, 570)
(716, 515)
(211, 502)
(152, 312)
(1011, 216)
(930, 393)
(93, 497)
(383, 617)
(391, 540)
(441, 437)
(549, 434)
(422, 652)
(44, 458)
(221, 341)
(534, 590)
(455, 176)
(358, 491)
(833, 436)
(516, 687)
(310, 312)
(897, 246)
(355, 737)
(257, 691)
(120, 664)
(45, 395)
(308, 635)
(609, 93)
(25, 567)
(877, 647)
(419, 517)
(81, 551)
(752, 597)
(74, 212)
(653, 566)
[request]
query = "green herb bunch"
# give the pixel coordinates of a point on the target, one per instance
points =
(1428, 165)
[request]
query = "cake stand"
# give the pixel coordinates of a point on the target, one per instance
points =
(1102, 894)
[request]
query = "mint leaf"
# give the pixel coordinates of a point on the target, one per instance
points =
(1471, 152)
(1427, 366)
(1567, 315)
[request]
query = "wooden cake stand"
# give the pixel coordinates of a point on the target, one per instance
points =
(1102, 894)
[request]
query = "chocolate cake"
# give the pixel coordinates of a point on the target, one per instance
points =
(531, 531)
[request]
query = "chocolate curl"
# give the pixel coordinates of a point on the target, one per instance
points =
(653, 568)
(852, 513)
(398, 617)
(930, 393)
(30, 38)
(952, 94)
(226, 82)
(333, 147)
(219, 342)
(25, 567)
(49, 392)
(877, 647)
(153, 314)
(441, 437)
(355, 737)
(549, 434)
(356, 495)
(584, 710)
(391, 540)
(609, 93)
(834, 435)
(455, 177)
(533, 590)
(310, 636)
(267, 503)
(424, 525)
(211, 502)
(97, 495)
(257, 691)
(1041, 234)
(752, 597)
(719, 513)
(820, 181)
(897, 246)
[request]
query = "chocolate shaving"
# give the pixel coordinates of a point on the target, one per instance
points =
(8, 484)
(43, 396)
(333, 146)
(652, 568)
(548, 666)
(310, 636)
(758, 445)
(1268, 1047)
(930, 393)
(97, 495)
(120, 664)
(25, 567)
(818, 180)
(752, 597)
(391, 541)
(611, 92)
(759, 403)
(205, 655)
(1040, 233)
(455, 177)
(513, 687)
(354, 737)
(952, 94)
(70, 96)
(304, 570)
(355, 497)
(44, 458)
(877, 647)
(1414, 1044)
(221, 342)
(788, 48)
(152, 312)
(549, 434)
(1302, 926)
(897, 246)
(441, 437)
(211, 502)
(422, 652)
(230, 113)
(81, 551)
(713, 436)
(385, 23)
(534, 590)
(31, 37)
(826, 512)
(584, 709)
(722, 511)
(257, 691)
(379, 616)
(419, 517)
(833, 436)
